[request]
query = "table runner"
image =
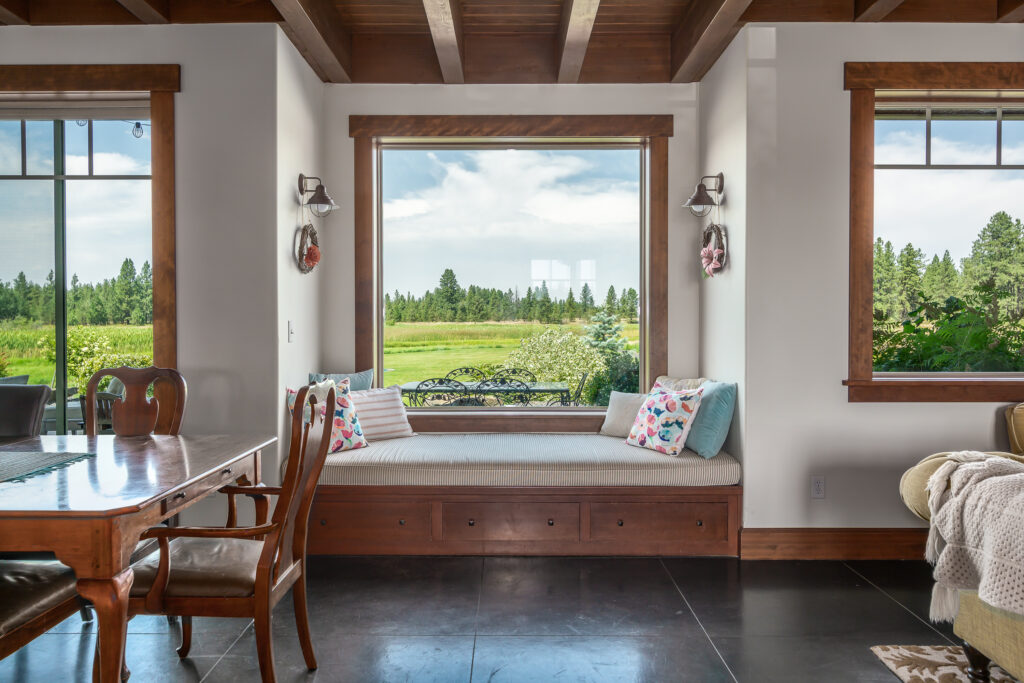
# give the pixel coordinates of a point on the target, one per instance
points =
(20, 465)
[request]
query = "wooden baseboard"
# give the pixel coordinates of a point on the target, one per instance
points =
(832, 544)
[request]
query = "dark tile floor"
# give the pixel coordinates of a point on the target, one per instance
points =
(544, 619)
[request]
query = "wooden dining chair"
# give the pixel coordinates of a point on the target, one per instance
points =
(245, 571)
(135, 414)
(35, 596)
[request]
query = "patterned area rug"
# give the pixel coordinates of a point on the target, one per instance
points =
(931, 664)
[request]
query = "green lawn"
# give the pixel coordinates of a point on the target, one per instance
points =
(19, 344)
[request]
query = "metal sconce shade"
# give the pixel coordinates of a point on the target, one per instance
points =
(320, 203)
(701, 202)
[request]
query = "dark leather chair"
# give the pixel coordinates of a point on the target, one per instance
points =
(35, 596)
(22, 407)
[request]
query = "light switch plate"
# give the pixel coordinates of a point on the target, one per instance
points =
(817, 486)
(291, 331)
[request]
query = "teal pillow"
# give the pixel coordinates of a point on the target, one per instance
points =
(358, 381)
(714, 417)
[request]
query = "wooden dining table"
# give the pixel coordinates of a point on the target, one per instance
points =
(91, 512)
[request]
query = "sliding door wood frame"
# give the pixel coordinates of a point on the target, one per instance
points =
(863, 79)
(653, 132)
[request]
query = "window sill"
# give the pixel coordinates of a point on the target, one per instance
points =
(934, 390)
(553, 420)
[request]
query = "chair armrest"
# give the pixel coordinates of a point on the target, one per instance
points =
(259, 490)
(258, 493)
(165, 532)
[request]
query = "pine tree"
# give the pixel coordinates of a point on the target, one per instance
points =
(143, 314)
(909, 265)
(610, 301)
(603, 333)
(449, 295)
(630, 305)
(545, 311)
(586, 299)
(571, 310)
(886, 297)
(120, 309)
(997, 257)
(941, 279)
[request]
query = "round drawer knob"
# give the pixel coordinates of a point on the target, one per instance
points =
(700, 522)
(619, 522)
(323, 522)
(401, 522)
(472, 522)
(551, 522)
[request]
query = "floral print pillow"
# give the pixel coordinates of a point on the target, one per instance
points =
(346, 434)
(665, 419)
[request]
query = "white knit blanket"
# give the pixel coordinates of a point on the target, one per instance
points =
(976, 539)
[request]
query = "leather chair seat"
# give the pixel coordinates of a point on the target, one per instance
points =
(29, 589)
(203, 567)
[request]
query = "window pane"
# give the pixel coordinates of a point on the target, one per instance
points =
(39, 147)
(76, 147)
(10, 147)
(964, 136)
(948, 275)
(900, 138)
(495, 261)
(1013, 137)
(27, 281)
(116, 150)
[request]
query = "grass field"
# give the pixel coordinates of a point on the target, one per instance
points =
(19, 342)
(418, 351)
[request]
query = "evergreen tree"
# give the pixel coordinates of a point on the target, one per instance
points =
(143, 313)
(610, 301)
(125, 294)
(586, 299)
(941, 279)
(545, 311)
(997, 256)
(909, 265)
(604, 333)
(629, 305)
(571, 310)
(886, 293)
(21, 295)
(449, 295)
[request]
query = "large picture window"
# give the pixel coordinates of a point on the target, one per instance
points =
(511, 273)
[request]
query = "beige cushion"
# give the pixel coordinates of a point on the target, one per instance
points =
(1015, 427)
(915, 480)
(31, 588)
(679, 384)
(993, 632)
(381, 413)
(203, 567)
(621, 413)
(522, 460)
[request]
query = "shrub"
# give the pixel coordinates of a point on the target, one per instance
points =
(5, 362)
(88, 351)
(621, 374)
(557, 356)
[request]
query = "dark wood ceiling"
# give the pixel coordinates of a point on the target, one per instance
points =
(506, 41)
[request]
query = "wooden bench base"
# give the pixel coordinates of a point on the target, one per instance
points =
(457, 520)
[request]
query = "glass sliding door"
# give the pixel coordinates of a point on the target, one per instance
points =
(75, 254)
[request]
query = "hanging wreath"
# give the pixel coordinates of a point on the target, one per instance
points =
(713, 252)
(309, 249)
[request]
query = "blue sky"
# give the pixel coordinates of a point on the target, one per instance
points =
(511, 218)
(936, 210)
(108, 220)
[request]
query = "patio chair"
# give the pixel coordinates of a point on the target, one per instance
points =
(574, 399)
(440, 391)
(467, 375)
(21, 408)
(505, 391)
(14, 379)
(521, 374)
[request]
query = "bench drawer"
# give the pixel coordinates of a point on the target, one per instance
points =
(659, 522)
(379, 522)
(511, 521)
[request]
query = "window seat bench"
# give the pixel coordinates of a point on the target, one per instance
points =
(524, 494)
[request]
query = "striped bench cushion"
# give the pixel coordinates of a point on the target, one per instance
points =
(522, 460)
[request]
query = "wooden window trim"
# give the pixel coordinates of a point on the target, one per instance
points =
(161, 81)
(653, 131)
(862, 79)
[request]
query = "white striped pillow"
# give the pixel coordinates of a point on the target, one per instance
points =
(382, 413)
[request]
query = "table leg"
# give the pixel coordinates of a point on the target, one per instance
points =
(109, 598)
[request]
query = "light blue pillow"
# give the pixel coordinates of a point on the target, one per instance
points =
(714, 417)
(358, 381)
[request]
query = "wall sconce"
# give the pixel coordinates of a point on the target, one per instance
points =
(320, 203)
(700, 202)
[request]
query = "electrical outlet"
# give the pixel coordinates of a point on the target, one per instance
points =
(817, 486)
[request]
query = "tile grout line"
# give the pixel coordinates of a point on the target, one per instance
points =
(225, 653)
(912, 612)
(476, 619)
(697, 619)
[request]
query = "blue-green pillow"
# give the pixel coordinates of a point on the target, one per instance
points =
(358, 381)
(714, 417)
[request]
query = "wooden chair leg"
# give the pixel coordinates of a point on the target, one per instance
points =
(977, 664)
(186, 637)
(264, 644)
(302, 621)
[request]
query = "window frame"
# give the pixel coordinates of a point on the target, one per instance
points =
(862, 80)
(650, 131)
(161, 81)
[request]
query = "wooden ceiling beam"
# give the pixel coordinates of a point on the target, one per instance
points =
(316, 28)
(874, 10)
(574, 36)
(703, 34)
(1010, 11)
(148, 11)
(14, 12)
(445, 20)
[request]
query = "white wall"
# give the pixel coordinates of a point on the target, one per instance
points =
(679, 100)
(798, 420)
(723, 303)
